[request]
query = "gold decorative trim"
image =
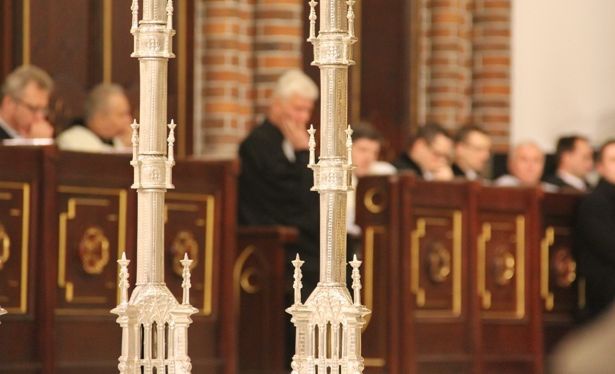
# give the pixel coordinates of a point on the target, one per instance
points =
(181, 77)
(415, 269)
(25, 245)
(545, 244)
(368, 200)
(245, 281)
(374, 362)
(457, 294)
(208, 265)
(70, 214)
(107, 40)
(519, 312)
(238, 268)
(368, 266)
(26, 36)
(5, 247)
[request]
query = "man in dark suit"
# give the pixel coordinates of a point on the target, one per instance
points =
(24, 102)
(275, 182)
(472, 152)
(428, 154)
(595, 247)
(574, 158)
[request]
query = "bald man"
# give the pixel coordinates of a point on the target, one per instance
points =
(526, 163)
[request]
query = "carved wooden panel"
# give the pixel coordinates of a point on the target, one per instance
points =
(435, 261)
(501, 257)
(189, 229)
(91, 237)
(14, 246)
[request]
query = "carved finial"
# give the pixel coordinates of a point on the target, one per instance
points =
(171, 141)
(312, 146)
(349, 145)
(298, 285)
(135, 15)
(356, 280)
(170, 15)
(124, 276)
(186, 285)
(350, 16)
(135, 141)
(313, 19)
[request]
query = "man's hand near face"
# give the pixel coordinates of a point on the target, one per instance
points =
(40, 129)
(295, 133)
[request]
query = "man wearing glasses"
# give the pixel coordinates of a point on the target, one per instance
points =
(24, 102)
(472, 152)
(429, 154)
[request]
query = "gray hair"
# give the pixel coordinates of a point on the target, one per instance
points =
(19, 78)
(98, 98)
(295, 82)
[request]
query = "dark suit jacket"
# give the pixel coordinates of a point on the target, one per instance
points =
(276, 191)
(595, 246)
(556, 180)
(4, 134)
(404, 162)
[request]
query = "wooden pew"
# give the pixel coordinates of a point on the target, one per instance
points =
(377, 212)
(507, 278)
(558, 276)
(514, 295)
(261, 281)
(436, 275)
(21, 184)
(86, 218)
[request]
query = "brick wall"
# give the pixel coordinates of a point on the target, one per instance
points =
(464, 64)
(242, 46)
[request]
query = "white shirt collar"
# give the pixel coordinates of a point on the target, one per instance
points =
(9, 130)
(572, 180)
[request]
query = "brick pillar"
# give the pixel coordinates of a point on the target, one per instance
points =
(464, 65)
(242, 46)
(445, 65)
(491, 69)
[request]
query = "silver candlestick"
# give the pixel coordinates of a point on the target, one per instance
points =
(329, 323)
(154, 324)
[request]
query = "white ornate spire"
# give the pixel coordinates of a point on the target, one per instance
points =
(186, 284)
(329, 323)
(154, 324)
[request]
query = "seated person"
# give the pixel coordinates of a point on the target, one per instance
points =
(428, 154)
(274, 181)
(24, 103)
(366, 145)
(472, 152)
(107, 123)
(575, 160)
(526, 163)
(595, 225)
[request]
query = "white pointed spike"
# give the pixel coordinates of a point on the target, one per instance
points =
(349, 133)
(171, 141)
(350, 16)
(298, 275)
(170, 14)
(313, 19)
(312, 146)
(356, 279)
(186, 284)
(135, 15)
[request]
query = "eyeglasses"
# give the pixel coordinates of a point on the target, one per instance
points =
(32, 108)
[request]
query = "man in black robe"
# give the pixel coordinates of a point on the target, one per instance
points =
(575, 160)
(275, 182)
(428, 154)
(595, 239)
(472, 152)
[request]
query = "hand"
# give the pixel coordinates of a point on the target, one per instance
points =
(444, 173)
(296, 134)
(40, 129)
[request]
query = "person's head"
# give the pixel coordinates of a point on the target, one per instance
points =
(605, 164)
(293, 99)
(526, 161)
(24, 99)
(431, 147)
(107, 111)
(472, 148)
(366, 143)
(574, 155)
